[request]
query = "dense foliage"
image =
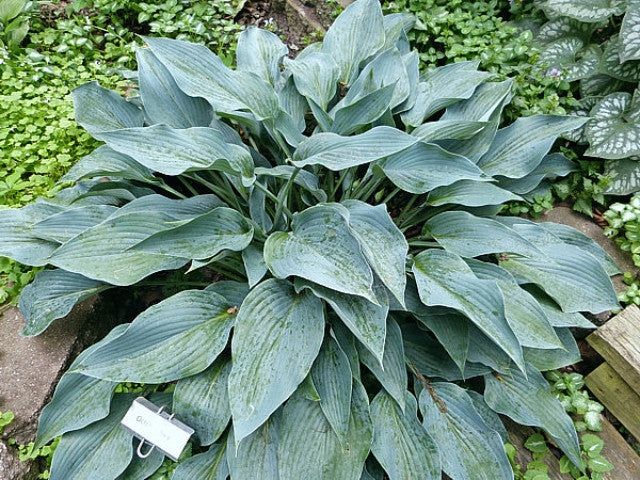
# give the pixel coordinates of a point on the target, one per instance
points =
(597, 44)
(348, 204)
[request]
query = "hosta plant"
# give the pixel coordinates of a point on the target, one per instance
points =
(597, 43)
(372, 316)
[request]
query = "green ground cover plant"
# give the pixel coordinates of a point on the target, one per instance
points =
(372, 310)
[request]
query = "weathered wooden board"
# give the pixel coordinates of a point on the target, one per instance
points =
(618, 341)
(614, 393)
(625, 460)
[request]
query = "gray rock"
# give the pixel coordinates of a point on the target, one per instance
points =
(11, 468)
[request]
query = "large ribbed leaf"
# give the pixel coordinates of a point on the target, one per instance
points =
(203, 237)
(256, 458)
(254, 264)
(315, 76)
(528, 401)
(65, 225)
(553, 359)
(200, 73)
(210, 465)
(336, 152)
(366, 320)
(102, 252)
(52, 295)
(519, 148)
(106, 162)
(382, 243)
(624, 174)
(552, 166)
(364, 111)
(260, 52)
(16, 240)
(567, 58)
(524, 315)
(448, 129)
(466, 235)
(585, 10)
(276, 339)
(321, 249)
(614, 130)
(444, 279)
(472, 449)
(630, 33)
(176, 338)
(100, 110)
(331, 376)
(392, 372)
(470, 193)
(442, 87)
(401, 445)
(303, 178)
(142, 468)
(173, 151)
(424, 166)
(355, 35)
(554, 313)
(163, 101)
(78, 400)
(100, 451)
(201, 401)
(309, 448)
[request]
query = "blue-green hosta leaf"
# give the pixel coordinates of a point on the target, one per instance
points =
(52, 295)
(382, 243)
(336, 152)
(16, 239)
(519, 148)
(489, 417)
(321, 248)
(366, 320)
(347, 343)
(450, 328)
(354, 36)
(293, 103)
(65, 225)
(589, 11)
(309, 448)
(78, 400)
(614, 131)
(628, 71)
(444, 279)
(254, 264)
(448, 129)
(471, 448)
(200, 73)
(571, 236)
(442, 87)
(177, 210)
(163, 101)
(203, 237)
(106, 162)
(392, 372)
(315, 77)
(571, 276)
(524, 315)
(528, 401)
(364, 111)
(567, 57)
(170, 151)
(483, 351)
(257, 455)
(424, 167)
(276, 339)
(201, 401)
(552, 166)
(553, 359)
(102, 252)
(332, 378)
(100, 110)
(470, 193)
(395, 26)
(260, 52)
(233, 292)
(100, 451)
(430, 359)
(469, 236)
(554, 313)
(142, 468)
(210, 465)
(176, 338)
(624, 174)
(303, 178)
(630, 33)
(401, 445)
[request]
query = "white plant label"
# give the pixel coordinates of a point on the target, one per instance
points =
(147, 422)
